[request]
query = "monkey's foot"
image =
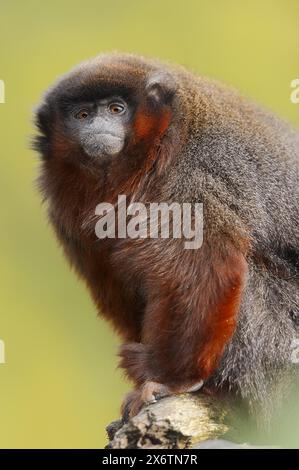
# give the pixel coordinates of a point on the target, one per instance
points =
(149, 393)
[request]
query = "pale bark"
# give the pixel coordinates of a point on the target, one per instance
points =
(175, 422)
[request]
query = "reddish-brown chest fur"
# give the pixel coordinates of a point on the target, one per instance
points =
(73, 195)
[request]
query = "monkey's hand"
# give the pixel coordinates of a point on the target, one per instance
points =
(135, 360)
(149, 393)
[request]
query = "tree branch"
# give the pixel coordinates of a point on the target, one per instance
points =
(175, 422)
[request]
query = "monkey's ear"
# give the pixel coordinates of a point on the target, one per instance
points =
(160, 88)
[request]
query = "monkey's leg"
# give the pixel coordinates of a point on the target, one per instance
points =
(187, 325)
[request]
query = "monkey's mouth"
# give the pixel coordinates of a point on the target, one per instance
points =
(103, 144)
(110, 134)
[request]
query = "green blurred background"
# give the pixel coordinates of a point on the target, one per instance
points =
(60, 385)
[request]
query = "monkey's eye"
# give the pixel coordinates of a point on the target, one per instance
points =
(82, 114)
(116, 108)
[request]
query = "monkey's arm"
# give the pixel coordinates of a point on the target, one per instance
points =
(190, 317)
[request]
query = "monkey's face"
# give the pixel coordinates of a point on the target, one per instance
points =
(100, 127)
(110, 108)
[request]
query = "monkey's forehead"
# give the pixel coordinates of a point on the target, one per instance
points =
(117, 74)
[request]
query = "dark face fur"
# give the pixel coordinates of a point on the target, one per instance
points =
(106, 109)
